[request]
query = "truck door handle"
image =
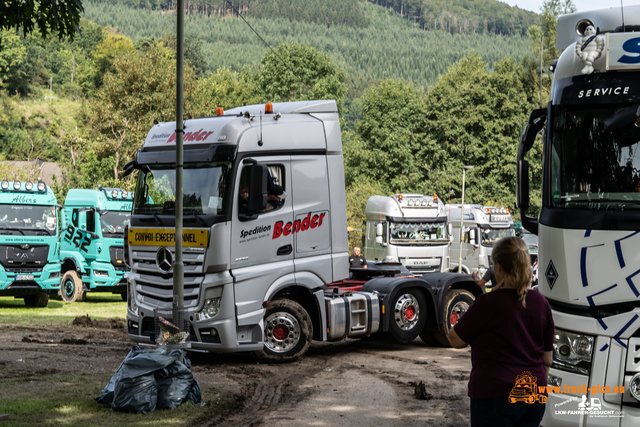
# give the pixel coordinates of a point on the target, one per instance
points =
(285, 250)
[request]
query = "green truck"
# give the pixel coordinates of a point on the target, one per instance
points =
(92, 242)
(29, 242)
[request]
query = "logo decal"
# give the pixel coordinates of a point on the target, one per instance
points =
(551, 274)
(164, 260)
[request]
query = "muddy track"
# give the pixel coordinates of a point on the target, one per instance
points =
(351, 384)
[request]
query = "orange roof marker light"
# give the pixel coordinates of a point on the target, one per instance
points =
(268, 108)
(435, 197)
(399, 196)
(219, 111)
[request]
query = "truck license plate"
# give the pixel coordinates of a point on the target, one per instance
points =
(24, 276)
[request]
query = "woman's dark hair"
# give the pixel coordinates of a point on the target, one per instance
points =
(512, 255)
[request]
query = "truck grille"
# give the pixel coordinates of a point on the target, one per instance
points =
(23, 256)
(157, 288)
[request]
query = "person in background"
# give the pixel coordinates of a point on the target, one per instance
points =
(489, 276)
(510, 331)
(357, 260)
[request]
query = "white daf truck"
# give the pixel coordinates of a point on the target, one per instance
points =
(409, 228)
(589, 222)
(483, 227)
(267, 272)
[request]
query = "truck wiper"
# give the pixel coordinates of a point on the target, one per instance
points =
(12, 229)
(195, 214)
(154, 217)
(603, 200)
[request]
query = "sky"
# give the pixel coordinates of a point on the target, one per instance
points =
(582, 5)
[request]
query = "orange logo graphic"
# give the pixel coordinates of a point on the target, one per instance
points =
(526, 390)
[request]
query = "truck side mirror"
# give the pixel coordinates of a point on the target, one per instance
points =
(531, 130)
(380, 234)
(129, 167)
(472, 237)
(450, 230)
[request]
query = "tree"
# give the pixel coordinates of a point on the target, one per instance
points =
(538, 89)
(475, 117)
(387, 146)
(298, 72)
(12, 55)
(111, 47)
(47, 16)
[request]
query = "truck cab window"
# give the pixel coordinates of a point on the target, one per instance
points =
(276, 193)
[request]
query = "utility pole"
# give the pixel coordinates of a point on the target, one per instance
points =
(464, 170)
(178, 268)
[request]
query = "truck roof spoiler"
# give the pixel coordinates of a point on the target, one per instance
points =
(607, 20)
(324, 106)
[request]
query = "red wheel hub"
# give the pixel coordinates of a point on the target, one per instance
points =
(454, 318)
(410, 313)
(280, 332)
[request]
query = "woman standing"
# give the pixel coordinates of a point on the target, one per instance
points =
(511, 335)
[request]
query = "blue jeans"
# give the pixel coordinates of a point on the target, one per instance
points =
(498, 412)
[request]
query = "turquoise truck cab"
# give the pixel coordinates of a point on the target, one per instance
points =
(29, 244)
(92, 244)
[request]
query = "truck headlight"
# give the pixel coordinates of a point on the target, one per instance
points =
(211, 309)
(100, 273)
(572, 351)
(634, 386)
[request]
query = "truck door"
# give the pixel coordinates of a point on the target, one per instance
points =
(76, 235)
(312, 221)
(262, 247)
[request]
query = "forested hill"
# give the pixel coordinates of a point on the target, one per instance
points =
(368, 42)
(453, 16)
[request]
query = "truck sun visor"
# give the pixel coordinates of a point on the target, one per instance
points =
(213, 153)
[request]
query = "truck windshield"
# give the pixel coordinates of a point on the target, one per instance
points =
(491, 235)
(204, 189)
(28, 219)
(594, 159)
(418, 233)
(113, 223)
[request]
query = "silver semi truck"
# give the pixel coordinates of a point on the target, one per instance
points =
(481, 228)
(266, 271)
(409, 228)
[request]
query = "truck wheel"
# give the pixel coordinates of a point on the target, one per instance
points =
(287, 331)
(36, 300)
(409, 311)
(456, 304)
(71, 287)
(428, 336)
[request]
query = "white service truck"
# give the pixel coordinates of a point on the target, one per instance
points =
(483, 227)
(408, 228)
(262, 274)
(589, 222)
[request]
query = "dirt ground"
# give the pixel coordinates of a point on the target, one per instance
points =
(372, 381)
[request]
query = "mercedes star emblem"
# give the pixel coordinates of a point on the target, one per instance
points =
(164, 260)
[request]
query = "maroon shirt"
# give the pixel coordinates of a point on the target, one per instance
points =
(506, 340)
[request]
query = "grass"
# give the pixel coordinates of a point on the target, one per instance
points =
(62, 400)
(48, 397)
(98, 306)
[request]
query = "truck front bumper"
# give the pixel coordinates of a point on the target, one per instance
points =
(24, 283)
(105, 278)
(594, 399)
(218, 334)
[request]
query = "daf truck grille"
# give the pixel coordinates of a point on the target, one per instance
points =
(156, 287)
(23, 256)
